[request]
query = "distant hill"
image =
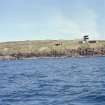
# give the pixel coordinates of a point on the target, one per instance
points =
(50, 48)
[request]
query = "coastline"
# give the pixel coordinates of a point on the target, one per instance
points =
(50, 49)
(50, 57)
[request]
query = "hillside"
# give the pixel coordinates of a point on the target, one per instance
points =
(44, 48)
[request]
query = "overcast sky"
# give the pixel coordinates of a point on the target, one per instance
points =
(51, 19)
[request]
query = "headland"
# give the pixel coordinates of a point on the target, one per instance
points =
(50, 48)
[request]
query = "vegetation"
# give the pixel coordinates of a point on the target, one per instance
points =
(50, 48)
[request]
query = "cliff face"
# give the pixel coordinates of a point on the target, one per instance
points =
(53, 48)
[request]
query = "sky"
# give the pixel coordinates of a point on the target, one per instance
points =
(51, 19)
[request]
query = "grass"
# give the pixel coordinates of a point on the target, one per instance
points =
(44, 46)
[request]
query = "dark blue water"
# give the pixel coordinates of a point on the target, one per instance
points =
(68, 81)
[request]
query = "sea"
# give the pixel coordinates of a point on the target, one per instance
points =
(53, 81)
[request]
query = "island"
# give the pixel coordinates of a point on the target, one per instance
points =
(50, 48)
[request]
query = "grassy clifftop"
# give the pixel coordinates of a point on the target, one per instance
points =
(40, 44)
(47, 48)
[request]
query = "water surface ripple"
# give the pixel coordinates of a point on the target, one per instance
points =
(53, 81)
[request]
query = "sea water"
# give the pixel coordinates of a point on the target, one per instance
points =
(53, 81)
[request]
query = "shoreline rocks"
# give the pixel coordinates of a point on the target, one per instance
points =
(88, 52)
(8, 57)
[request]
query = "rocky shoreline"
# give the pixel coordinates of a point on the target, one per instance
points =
(88, 52)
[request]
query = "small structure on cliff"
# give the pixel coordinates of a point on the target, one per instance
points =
(92, 41)
(85, 39)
